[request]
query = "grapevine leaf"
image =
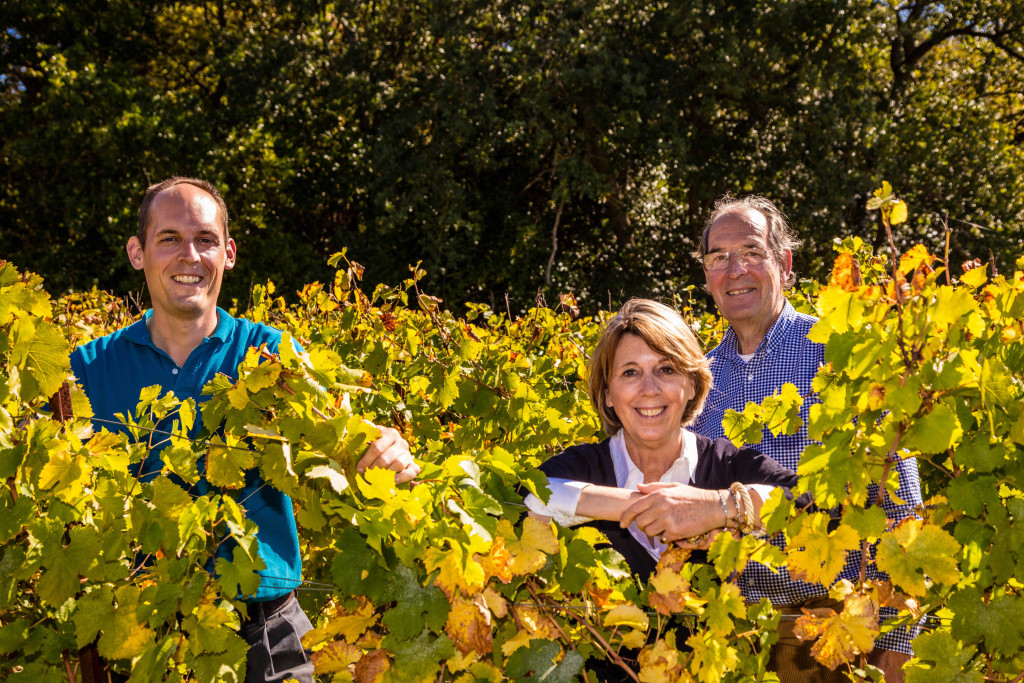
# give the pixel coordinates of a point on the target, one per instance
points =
(975, 277)
(944, 659)
(93, 612)
(742, 428)
(626, 615)
(898, 213)
(358, 570)
(40, 352)
(335, 657)
(469, 625)
(913, 550)
(239, 576)
(415, 606)
(418, 658)
(13, 636)
(934, 432)
(869, 523)
(223, 667)
(817, 555)
(210, 629)
(123, 636)
(659, 663)
(528, 553)
(840, 637)
(539, 658)
(724, 603)
(152, 664)
(712, 657)
(1000, 621)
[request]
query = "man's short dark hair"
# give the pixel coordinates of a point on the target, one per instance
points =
(779, 235)
(153, 190)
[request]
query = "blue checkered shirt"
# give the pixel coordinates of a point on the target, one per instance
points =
(786, 355)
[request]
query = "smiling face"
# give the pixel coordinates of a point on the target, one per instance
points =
(750, 297)
(649, 396)
(186, 254)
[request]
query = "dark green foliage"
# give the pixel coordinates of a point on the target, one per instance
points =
(511, 147)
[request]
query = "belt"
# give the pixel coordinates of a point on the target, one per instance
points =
(259, 611)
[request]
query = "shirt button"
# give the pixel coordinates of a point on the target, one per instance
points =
(750, 377)
(174, 371)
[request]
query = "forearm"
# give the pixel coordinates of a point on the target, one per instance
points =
(605, 502)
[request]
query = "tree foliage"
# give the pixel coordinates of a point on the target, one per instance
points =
(509, 147)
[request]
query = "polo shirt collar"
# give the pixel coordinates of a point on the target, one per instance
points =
(138, 332)
(777, 335)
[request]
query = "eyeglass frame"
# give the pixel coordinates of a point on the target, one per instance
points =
(758, 255)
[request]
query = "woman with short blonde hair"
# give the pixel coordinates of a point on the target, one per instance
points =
(653, 483)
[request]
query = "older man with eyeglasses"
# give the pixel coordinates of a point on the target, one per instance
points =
(747, 252)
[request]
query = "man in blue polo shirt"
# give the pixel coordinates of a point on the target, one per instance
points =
(183, 246)
(747, 252)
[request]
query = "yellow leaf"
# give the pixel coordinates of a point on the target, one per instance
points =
(498, 560)
(626, 615)
(453, 575)
(520, 639)
(469, 625)
(238, 397)
(840, 637)
(335, 657)
(898, 213)
(659, 663)
(913, 550)
(671, 592)
(712, 657)
(634, 639)
(66, 472)
(528, 553)
(339, 621)
(816, 555)
(495, 602)
(915, 257)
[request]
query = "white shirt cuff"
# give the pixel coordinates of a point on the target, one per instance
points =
(561, 507)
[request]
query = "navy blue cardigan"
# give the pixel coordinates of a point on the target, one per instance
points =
(719, 464)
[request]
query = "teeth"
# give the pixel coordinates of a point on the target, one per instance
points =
(740, 291)
(187, 279)
(650, 412)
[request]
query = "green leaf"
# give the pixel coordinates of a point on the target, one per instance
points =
(944, 658)
(93, 612)
(415, 605)
(41, 353)
(538, 659)
(1000, 621)
(419, 658)
(239, 577)
(742, 428)
(13, 636)
(934, 432)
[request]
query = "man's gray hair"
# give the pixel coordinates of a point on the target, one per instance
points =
(779, 236)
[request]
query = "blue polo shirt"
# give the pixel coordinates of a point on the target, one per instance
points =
(114, 369)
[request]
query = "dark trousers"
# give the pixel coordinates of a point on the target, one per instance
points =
(274, 632)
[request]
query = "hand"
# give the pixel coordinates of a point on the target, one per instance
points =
(673, 511)
(390, 452)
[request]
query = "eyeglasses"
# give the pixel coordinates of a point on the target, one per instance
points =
(719, 260)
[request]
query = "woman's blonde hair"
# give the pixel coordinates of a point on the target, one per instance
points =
(665, 331)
